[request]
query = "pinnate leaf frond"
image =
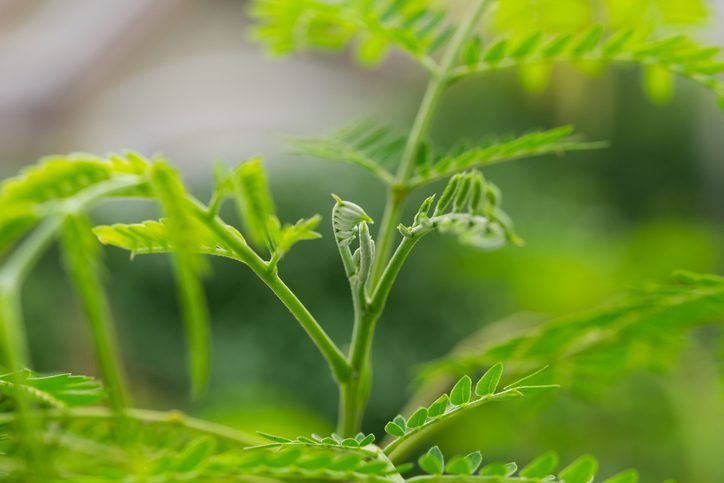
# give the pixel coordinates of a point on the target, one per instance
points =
(247, 184)
(469, 469)
(417, 27)
(153, 237)
(188, 266)
(677, 55)
(369, 145)
(58, 391)
(641, 330)
(463, 157)
(461, 398)
(59, 177)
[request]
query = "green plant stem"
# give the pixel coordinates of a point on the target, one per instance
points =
(171, 418)
(330, 351)
(436, 87)
(82, 264)
(353, 394)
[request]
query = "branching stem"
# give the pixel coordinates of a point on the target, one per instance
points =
(355, 392)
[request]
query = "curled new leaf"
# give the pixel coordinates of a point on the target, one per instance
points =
(468, 208)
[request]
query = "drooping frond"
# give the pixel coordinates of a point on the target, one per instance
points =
(82, 263)
(462, 397)
(554, 141)
(369, 145)
(188, 265)
(58, 391)
(468, 208)
(469, 469)
(154, 237)
(676, 55)
(641, 330)
(417, 27)
(39, 189)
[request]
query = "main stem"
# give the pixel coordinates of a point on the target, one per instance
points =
(354, 392)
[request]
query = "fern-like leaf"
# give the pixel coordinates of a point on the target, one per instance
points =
(60, 177)
(247, 184)
(468, 469)
(461, 398)
(417, 27)
(153, 236)
(58, 391)
(641, 330)
(369, 145)
(82, 263)
(188, 266)
(676, 55)
(555, 141)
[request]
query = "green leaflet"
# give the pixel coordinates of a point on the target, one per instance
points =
(188, 266)
(283, 237)
(599, 347)
(57, 391)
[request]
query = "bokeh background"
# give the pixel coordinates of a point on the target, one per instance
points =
(183, 78)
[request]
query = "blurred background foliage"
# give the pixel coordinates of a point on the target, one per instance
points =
(183, 78)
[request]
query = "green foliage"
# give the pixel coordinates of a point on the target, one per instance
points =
(58, 391)
(463, 469)
(586, 352)
(642, 330)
